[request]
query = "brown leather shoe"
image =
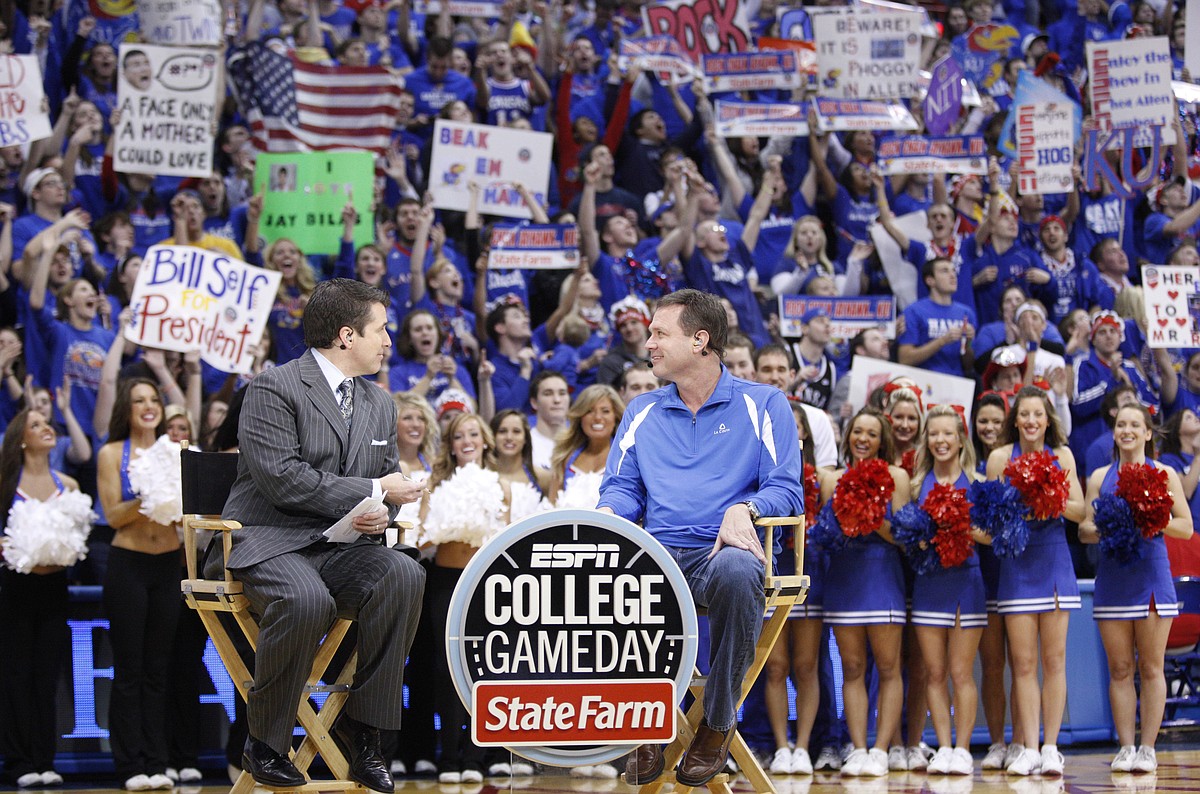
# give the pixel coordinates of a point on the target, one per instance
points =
(706, 756)
(645, 765)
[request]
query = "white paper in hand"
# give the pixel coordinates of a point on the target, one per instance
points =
(344, 531)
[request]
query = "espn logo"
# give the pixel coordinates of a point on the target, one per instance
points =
(574, 555)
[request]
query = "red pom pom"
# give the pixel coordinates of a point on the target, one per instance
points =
(1042, 485)
(862, 495)
(951, 513)
(812, 493)
(908, 461)
(1144, 488)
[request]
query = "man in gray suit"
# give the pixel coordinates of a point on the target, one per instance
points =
(316, 439)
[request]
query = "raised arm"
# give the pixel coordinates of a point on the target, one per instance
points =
(726, 170)
(772, 179)
(818, 147)
(416, 260)
(588, 235)
(887, 218)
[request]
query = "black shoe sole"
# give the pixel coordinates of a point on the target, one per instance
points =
(696, 782)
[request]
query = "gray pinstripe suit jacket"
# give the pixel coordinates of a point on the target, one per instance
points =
(300, 470)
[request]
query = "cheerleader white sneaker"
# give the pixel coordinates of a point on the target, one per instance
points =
(940, 764)
(1146, 760)
(876, 764)
(995, 756)
(161, 781)
(604, 771)
(897, 759)
(1029, 762)
(51, 778)
(1052, 760)
(962, 763)
(190, 774)
(917, 761)
(1013, 753)
(801, 763)
(29, 779)
(137, 783)
(781, 763)
(450, 776)
(1124, 760)
(852, 766)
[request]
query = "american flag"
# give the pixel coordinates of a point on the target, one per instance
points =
(297, 107)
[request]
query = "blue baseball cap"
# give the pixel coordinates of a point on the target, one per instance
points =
(814, 313)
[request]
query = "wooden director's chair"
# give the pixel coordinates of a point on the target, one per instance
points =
(782, 593)
(207, 480)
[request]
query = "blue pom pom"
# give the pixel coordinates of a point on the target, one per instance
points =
(1120, 538)
(826, 533)
(646, 279)
(911, 526)
(997, 509)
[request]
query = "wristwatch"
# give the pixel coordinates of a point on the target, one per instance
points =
(754, 514)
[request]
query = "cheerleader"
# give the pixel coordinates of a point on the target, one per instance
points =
(141, 593)
(949, 608)
(582, 447)
(988, 417)
(873, 616)
(903, 408)
(464, 508)
(524, 486)
(1038, 587)
(1135, 598)
(798, 650)
(33, 595)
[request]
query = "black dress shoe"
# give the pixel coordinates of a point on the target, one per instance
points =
(360, 743)
(269, 767)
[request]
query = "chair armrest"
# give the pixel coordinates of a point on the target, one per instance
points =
(191, 523)
(770, 522)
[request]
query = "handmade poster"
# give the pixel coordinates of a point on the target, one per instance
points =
(188, 298)
(534, 246)
(23, 117)
(1130, 86)
(848, 315)
(740, 119)
(495, 158)
(917, 154)
(1033, 90)
(305, 193)
(702, 26)
(194, 22)
(751, 71)
(1172, 301)
(1045, 147)
(944, 99)
(868, 374)
(868, 54)
(167, 97)
(840, 115)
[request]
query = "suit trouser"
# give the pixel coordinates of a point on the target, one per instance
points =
(730, 585)
(33, 625)
(141, 599)
(297, 596)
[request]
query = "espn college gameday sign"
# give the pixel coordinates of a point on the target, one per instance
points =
(572, 636)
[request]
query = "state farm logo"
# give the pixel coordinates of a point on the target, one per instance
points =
(571, 637)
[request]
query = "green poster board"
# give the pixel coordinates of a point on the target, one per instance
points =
(304, 195)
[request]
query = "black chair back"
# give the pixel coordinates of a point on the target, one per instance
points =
(207, 480)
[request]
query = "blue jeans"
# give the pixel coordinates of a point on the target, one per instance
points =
(730, 586)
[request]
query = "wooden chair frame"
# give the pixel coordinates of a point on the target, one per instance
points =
(782, 593)
(210, 598)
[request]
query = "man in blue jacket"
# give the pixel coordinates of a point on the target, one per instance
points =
(698, 461)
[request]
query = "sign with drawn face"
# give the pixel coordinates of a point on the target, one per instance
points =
(571, 637)
(304, 194)
(167, 99)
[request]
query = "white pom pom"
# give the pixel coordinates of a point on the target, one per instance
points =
(525, 500)
(54, 532)
(411, 512)
(581, 491)
(467, 508)
(154, 476)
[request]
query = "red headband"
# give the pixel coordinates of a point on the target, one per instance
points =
(888, 388)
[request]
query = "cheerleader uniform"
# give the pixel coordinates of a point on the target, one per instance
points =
(944, 593)
(1129, 591)
(33, 623)
(141, 600)
(865, 582)
(989, 566)
(1043, 573)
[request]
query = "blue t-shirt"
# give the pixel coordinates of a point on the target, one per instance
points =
(430, 97)
(851, 217)
(728, 280)
(78, 355)
(1013, 265)
(925, 321)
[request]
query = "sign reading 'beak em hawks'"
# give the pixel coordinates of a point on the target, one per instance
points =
(571, 637)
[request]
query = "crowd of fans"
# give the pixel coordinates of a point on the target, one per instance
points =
(526, 373)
